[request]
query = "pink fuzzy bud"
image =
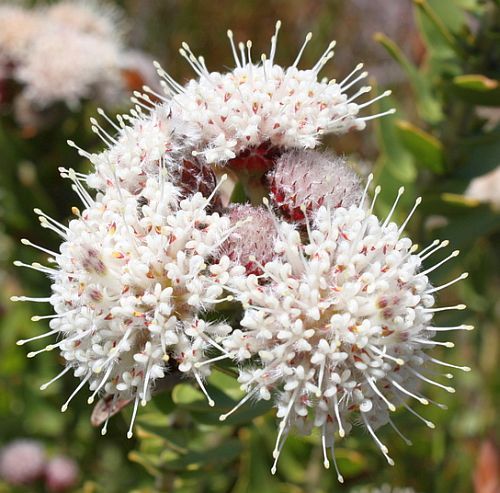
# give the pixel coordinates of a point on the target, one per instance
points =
(251, 244)
(310, 179)
(22, 462)
(61, 474)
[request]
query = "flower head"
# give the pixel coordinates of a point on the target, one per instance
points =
(22, 462)
(260, 105)
(61, 474)
(131, 283)
(340, 323)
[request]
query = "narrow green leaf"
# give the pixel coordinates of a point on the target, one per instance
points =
(477, 89)
(427, 150)
(427, 105)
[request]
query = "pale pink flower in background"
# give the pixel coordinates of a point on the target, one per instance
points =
(69, 66)
(22, 462)
(486, 188)
(87, 16)
(18, 28)
(61, 474)
(384, 489)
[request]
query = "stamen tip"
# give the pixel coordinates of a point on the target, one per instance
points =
(451, 390)
(64, 408)
(392, 408)
(273, 470)
(425, 402)
(449, 344)
(340, 479)
(21, 342)
(130, 434)
(211, 403)
(326, 464)
(90, 400)
(222, 417)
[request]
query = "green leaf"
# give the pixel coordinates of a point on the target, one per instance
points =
(464, 229)
(210, 459)
(395, 166)
(428, 106)
(477, 89)
(478, 154)
(427, 150)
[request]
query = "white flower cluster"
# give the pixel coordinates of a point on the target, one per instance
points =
(340, 321)
(65, 52)
(336, 306)
(261, 103)
(130, 285)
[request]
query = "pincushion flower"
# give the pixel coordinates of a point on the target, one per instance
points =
(130, 285)
(340, 323)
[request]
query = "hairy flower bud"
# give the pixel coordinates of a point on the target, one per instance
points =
(252, 243)
(306, 180)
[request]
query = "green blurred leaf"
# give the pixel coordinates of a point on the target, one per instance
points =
(395, 166)
(477, 89)
(427, 150)
(210, 459)
(427, 104)
(478, 154)
(464, 229)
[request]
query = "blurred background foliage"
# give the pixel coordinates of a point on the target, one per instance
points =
(441, 58)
